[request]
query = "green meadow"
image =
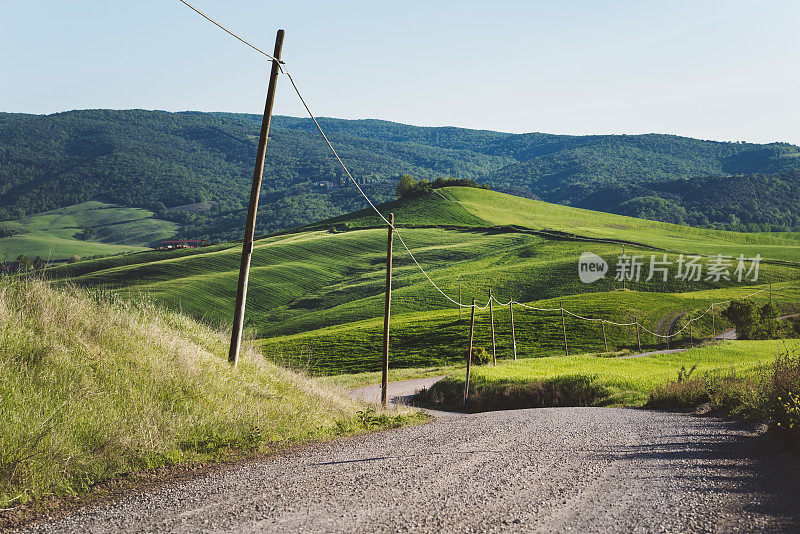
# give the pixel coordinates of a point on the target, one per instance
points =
(87, 229)
(630, 380)
(440, 338)
(316, 294)
(741, 370)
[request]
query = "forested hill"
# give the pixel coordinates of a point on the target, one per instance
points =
(195, 168)
(745, 203)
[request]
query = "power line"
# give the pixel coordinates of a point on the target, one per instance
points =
(394, 228)
(313, 118)
(606, 321)
(347, 171)
(220, 26)
(333, 150)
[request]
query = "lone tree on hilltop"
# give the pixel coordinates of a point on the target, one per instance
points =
(405, 185)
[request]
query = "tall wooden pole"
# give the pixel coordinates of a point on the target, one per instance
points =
(459, 297)
(713, 322)
(250, 224)
(605, 341)
(469, 352)
(387, 309)
(669, 334)
(491, 318)
(564, 328)
(638, 336)
(513, 334)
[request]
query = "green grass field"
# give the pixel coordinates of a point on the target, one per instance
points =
(316, 295)
(477, 207)
(54, 234)
(439, 338)
(628, 381)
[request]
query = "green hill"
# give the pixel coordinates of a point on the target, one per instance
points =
(86, 229)
(165, 161)
(757, 202)
(461, 206)
(316, 295)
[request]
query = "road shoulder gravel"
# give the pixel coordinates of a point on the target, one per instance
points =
(541, 470)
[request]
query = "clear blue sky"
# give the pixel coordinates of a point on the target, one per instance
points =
(723, 70)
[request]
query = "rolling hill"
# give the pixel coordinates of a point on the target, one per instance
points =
(85, 230)
(163, 161)
(756, 202)
(316, 296)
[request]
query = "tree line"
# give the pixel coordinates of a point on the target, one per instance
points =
(409, 187)
(162, 161)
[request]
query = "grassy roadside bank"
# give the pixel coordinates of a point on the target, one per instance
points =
(770, 393)
(93, 386)
(589, 380)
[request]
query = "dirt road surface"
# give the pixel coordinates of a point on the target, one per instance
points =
(544, 470)
(398, 392)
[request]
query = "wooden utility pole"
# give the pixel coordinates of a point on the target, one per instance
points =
(713, 322)
(564, 328)
(638, 336)
(250, 224)
(385, 374)
(459, 297)
(469, 352)
(491, 318)
(623, 272)
(605, 342)
(513, 334)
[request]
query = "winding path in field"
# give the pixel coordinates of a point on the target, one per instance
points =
(542, 470)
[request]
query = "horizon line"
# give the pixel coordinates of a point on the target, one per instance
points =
(409, 124)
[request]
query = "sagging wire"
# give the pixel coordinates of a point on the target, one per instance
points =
(281, 66)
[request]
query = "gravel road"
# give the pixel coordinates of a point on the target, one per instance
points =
(398, 392)
(544, 470)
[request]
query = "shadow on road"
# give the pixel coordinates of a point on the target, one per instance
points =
(735, 449)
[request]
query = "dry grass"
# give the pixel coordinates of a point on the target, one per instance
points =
(93, 386)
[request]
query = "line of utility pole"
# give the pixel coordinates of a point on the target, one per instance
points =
(252, 208)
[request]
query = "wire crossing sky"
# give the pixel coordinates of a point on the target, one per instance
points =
(721, 70)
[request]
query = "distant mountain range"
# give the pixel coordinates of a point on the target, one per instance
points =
(195, 169)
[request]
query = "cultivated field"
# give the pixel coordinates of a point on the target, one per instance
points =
(316, 295)
(60, 233)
